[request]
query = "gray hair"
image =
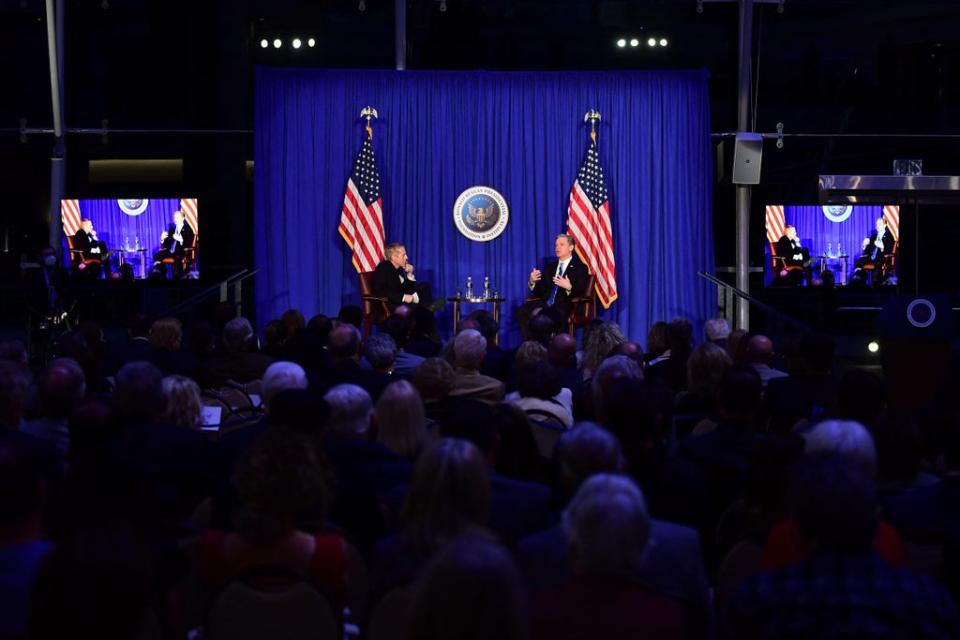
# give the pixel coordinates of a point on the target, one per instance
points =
(587, 449)
(469, 349)
(844, 437)
(716, 329)
(569, 238)
(281, 376)
(380, 350)
(350, 409)
(607, 524)
(236, 333)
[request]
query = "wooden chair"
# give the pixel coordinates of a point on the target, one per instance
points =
(186, 261)
(375, 308)
(584, 309)
(76, 256)
(779, 264)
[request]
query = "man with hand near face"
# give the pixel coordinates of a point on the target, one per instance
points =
(394, 280)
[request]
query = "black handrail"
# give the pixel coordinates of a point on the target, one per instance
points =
(235, 279)
(780, 315)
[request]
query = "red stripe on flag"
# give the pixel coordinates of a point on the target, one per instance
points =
(70, 216)
(189, 208)
(891, 215)
(775, 222)
(591, 229)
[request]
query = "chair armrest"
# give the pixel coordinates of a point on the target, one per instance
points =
(533, 298)
(373, 298)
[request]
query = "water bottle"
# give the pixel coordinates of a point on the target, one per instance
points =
(839, 251)
(486, 287)
(829, 250)
(469, 287)
(136, 242)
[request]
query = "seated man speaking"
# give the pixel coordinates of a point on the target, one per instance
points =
(393, 279)
(566, 277)
(92, 247)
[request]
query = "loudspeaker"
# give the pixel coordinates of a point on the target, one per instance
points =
(747, 154)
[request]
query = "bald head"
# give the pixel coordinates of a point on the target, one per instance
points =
(62, 387)
(630, 349)
(760, 350)
(344, 342)
(562, 351)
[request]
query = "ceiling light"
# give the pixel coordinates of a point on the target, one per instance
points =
(277, 43)
(264, 43)
(621, 43)
(873, 346)
(296, 43)
(311, 43)
(652, 42)
(663, 42)
(634, 42)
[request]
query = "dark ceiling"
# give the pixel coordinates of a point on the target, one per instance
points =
(821, 66)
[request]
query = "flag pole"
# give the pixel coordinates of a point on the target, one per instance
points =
(369, 112)
(593, 117)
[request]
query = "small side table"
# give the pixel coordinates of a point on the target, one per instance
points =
(121, 256)
(477, 300)
(831, 261)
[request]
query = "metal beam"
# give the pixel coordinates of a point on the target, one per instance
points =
(400, 34)
(744, 86)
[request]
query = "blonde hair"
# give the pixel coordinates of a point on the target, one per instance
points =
(401, 421)
(166, 334)
(182, 402)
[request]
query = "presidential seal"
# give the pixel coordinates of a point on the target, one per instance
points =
(837, 212)
(133, 207)
(481, 213)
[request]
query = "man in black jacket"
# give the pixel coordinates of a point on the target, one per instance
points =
(173, 242)
(394, 280)
(566, 277)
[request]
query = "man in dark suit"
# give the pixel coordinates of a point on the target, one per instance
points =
(92, 247)
(394, 280)
(793, 254)
(173, 242)
(879, 244)
(566, 277)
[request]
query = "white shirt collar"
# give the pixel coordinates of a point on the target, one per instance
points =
(564, 263)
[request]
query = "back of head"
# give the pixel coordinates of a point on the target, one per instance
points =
(182, 403)
(401, 423)
(585, 450)
(487, 326)
(351, 314)
(237, 334)
(562, 351)
(607, 526)
(601, 341)
(630, 349)
(705, 368)
(281, 376)
(832, 499)
(320, 326)
(380, 351)
(657, 338)
(740, 391)
(531, 351)
(398, 327)
(139, 391)
(470, 591)
(846, 438)
(350, 410)
(62, 387)
(759, 350)
(166, 334)
(469, 349)
(275, 333)
(434, 379)
(606, 376)
(541, 328)
(281, 479)
(679, 336)
(344, 342)
(293, 320)
(538, 379)
(449, 494)
(716, 330)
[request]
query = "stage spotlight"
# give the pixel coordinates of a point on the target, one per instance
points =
(634, 42)
(311, 43)
(621, 43)
(663, 42)
(277, 43)
(296, 43)
(652, 42)
(264, 43)
(873, 346)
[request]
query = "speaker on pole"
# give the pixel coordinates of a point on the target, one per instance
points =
(747, 154)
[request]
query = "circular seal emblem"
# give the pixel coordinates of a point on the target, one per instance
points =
(837, 212)
(921, 313)
(481, 213)
(133, 207)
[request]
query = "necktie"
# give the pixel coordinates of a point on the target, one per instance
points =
(556, 288)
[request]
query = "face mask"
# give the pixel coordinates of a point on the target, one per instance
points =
(50, 261)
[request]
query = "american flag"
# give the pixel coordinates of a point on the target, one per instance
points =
(361, 219)
(891, 214)
(70, 216)
(189, 208)
(776, 223)
(588, 221)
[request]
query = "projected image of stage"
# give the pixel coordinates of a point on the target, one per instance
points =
(832, 245)
(132, 239)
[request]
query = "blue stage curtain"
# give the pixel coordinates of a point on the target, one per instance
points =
(818, 234)
(521, 133)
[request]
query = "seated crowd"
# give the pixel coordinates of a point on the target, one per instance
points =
(695, 488)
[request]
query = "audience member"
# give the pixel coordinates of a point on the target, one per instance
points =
(759, 355)
(182, 404)
(705, 368)
(344, 350)
(470, 348)
(398, 327)
(401, 422)
(166, 338)
(807, 394)
(62, 387)
(380, 352)
(597, 345)
(240, 361)
(671, 365)
(540, 395)
(716, 331)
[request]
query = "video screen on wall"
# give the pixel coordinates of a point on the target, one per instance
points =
(832, 245)
(132, 238)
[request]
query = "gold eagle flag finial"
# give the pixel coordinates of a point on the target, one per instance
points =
(593, 117)
(369, 112)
